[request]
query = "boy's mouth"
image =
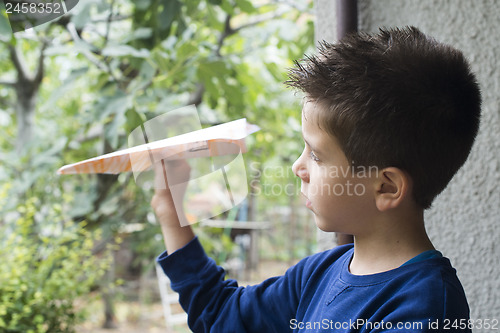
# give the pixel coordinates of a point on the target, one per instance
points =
(308, 202)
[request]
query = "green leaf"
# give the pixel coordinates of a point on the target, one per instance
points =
(141, 33)
(186, 51)
(277, 72)
(134, 119)
(208, 73)
(169, 43)
(124, 50)
(214, 69)
(227, 6)
(5, 29)
(111, 130)
(145, 76)
(67, 86)
(81, 16)
(115, 104)
(142, 4)
(171, 11)
(245, 6)
(232, 93)
(47, 156)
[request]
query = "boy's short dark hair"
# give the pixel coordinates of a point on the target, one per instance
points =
(398, 98)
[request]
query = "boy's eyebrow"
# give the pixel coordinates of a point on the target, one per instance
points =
(312, 148)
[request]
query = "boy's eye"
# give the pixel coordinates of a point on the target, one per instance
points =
(313, 156)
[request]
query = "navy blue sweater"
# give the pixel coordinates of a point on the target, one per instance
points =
(319, 295)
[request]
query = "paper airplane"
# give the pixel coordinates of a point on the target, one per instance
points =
(227, 138)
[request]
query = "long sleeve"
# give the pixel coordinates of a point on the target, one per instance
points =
(217, 305)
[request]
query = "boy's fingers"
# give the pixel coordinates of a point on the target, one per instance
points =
(160, 176)
(178, 170)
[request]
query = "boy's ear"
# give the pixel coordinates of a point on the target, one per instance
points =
(392, 186)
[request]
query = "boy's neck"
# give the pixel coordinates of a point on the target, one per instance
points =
(394, 241)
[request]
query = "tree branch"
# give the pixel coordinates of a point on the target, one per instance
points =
(10, 84)
(228, 30)
(108, 23)
(76, 39)
(113, 18)
(40, 69)
(263, 18)
(104, 67)
(196, 96)
(18, 62)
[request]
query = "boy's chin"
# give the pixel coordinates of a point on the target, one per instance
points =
(330, 226)
(323, 225)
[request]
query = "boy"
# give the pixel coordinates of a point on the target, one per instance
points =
(399, 105)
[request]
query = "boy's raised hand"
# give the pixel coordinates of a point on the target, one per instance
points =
(162, 201)
(175, 236)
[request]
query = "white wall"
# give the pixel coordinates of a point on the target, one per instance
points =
(464, 222)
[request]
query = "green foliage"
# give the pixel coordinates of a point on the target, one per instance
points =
(43, 272)
(217, 243)
(129, 61)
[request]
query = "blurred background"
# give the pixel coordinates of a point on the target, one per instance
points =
(78, 252)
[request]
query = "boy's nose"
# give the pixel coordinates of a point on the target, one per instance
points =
(299, 169)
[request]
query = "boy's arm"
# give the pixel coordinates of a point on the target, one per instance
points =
(213, 303)
(174, 235)
(216, 304)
